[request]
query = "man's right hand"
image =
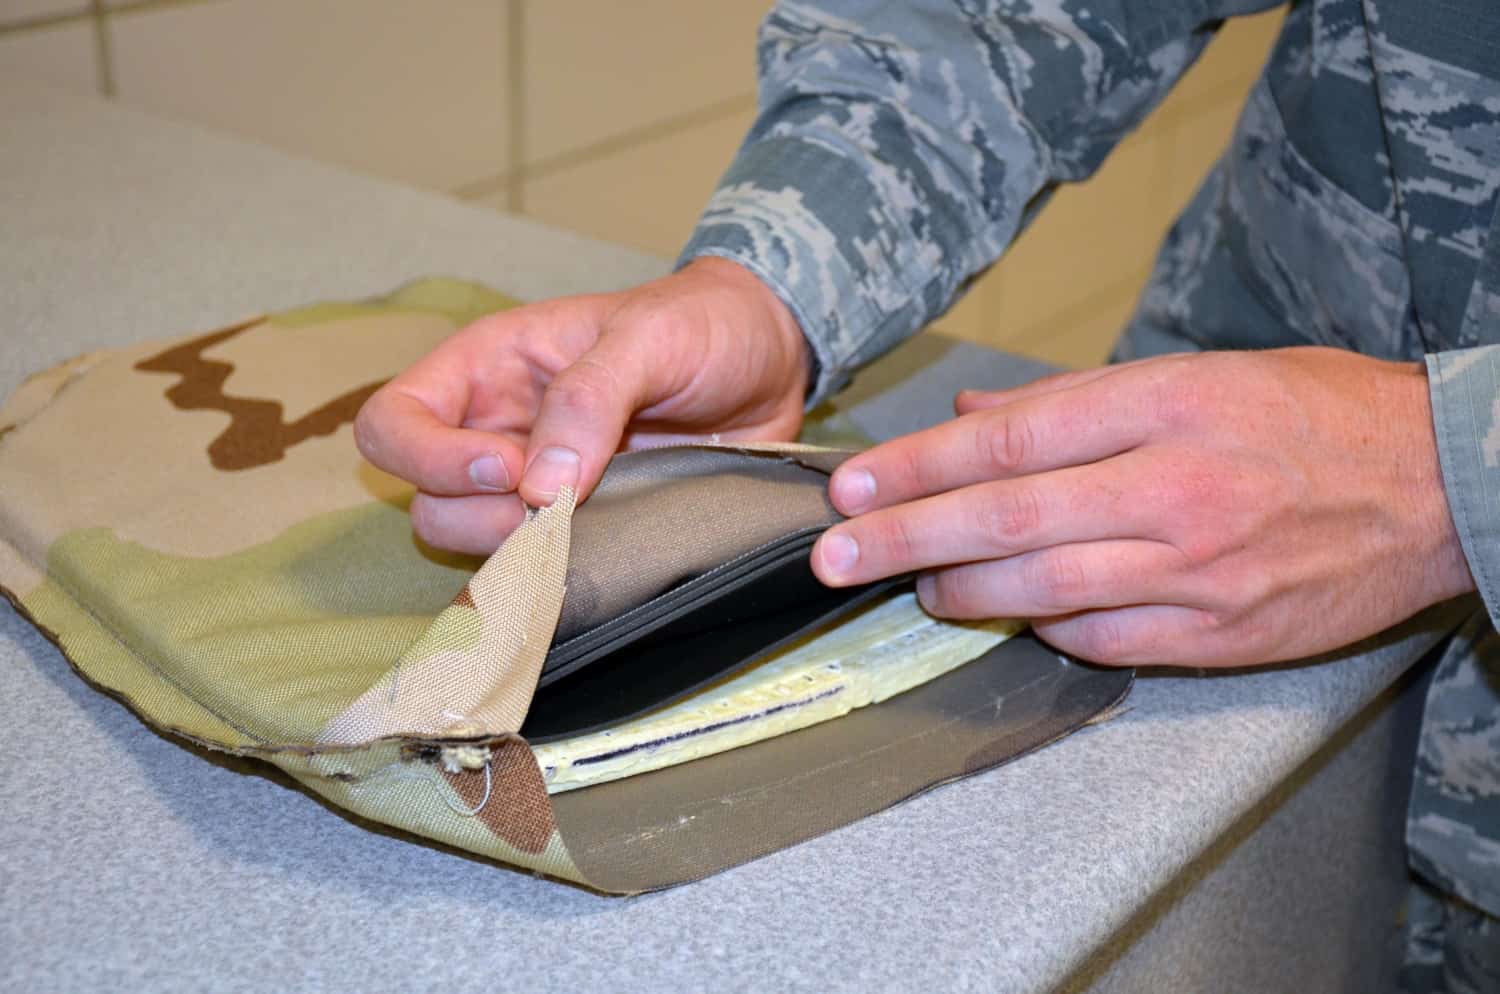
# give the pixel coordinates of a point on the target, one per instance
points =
(523, 402)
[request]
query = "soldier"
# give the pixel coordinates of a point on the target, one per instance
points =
(1183, 505)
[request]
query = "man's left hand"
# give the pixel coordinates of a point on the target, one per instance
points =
(1216, 509)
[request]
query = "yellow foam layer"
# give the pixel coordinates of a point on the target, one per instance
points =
(889, 647)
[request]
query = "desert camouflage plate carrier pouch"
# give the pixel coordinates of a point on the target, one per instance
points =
(583, 703)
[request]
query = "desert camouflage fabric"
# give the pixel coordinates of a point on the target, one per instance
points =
(236, 574)
(240, 578)
(900, 148)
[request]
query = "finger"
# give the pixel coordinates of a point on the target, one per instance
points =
(1143, 635)
(475, 524)
(401, 434)
(984, 521)
(582, 418)
(1063, 428)
(1060, 580)
(968, 401)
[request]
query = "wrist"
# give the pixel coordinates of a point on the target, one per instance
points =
(768, 312)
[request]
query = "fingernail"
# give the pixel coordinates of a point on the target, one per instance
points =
(926, 589)
(840, 553)
(553, 468)
(854, 490)
(489, 472)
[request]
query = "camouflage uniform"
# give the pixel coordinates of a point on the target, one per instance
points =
(902, 146)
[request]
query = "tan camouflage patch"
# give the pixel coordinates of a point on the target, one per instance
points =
(256, 435)
(38, 389)
(291, 363)
(176, 501)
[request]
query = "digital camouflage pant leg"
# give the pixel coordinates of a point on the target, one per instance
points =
(1453, 823)
(1451, 947)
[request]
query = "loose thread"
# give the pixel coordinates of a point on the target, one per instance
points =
(470, 813)
(402, 776)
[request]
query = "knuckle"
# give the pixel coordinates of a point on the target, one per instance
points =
(1210, 623)
(897, 540)
(1102, 639)
(1006, 443)
(651, 315)
(1234, 595)
(947, 594)
(1253, 629)
(908, 470)
(1201, 547)
(495, 336)
(1010, 516)
(584, 386)
(1057, 581)
(1199, 512)
(900, 468)
(1178, 397)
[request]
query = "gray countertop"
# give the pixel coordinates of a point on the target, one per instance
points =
(128, 861)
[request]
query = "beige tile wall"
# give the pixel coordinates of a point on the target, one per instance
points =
(19, 11)
(599, 70)
(646, 193)
(612, 119)
(51, 40)
(411, 89)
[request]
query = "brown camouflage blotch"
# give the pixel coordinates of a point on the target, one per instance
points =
(465, 598)
(256, 434)
(518, 809)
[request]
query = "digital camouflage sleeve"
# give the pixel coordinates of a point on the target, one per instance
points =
(901, 147)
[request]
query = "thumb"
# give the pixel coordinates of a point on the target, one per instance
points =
(580, 421)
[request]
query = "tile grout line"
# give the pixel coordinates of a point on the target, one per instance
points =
(103, 54)
(515, 155)
(136, 6)
(605, 147)
(42, 22)
(85, 11)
